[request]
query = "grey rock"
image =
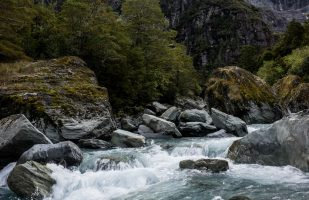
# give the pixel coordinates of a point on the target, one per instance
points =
(220, 134)
(157, 107)
(149, 112)
(31, 180)
(240, 198)
(94, 144)
(213, 165)
(65, 153)
(286, 142)
(159, 125)
(229, 123)
(171, 114)
(149, 134)
(17, 135)
(191, 103)
(196, 129)
(127, 124)
(124, 138)
(195, 115)
(144, 129)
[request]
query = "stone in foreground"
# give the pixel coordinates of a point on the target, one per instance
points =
(17, 135)
(122, 138)
(213, 165)
(31, 180)
(286, 142)
(159, 125)
(229, 123)
(65, 153)
(94, 144)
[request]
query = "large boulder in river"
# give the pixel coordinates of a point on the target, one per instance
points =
(60, 97)
(17, 135)
(239, 93)
(286, 142)
(159, 125)
(229, 123)
(65, 153)
(292, 93)
(122, 138)
(195, 115)
(213, 165)
(171, 114)
(157, 107)
(31, 180)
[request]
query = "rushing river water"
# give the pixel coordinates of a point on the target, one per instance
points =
(152, 173)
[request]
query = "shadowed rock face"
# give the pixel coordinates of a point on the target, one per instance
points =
(17, 135)
(286, 142)
(60, 97)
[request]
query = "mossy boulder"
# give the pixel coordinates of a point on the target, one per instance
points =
(60, 96)
(293, 94)
(238, 92)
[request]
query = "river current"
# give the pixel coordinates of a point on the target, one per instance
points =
(152, 173)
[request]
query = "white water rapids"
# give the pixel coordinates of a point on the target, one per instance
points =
(153, 173)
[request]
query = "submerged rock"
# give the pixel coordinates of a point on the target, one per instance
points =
(31, 180)
(229, 123)
(238, 92)
(17, 135)
(286, 142)
(292, 93)
(124, 138)
(195, 115)
(196, 129)
(94, 144)
(61, 97)
(159, 125)
(64, 153)
(213, 165)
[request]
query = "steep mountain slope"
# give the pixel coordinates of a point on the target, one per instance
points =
(215, 30)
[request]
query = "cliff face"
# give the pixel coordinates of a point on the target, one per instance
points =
(214, 31)
(277, 13)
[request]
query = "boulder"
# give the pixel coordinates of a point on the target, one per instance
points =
(293, 94)
(157, 107)
(188, 103)
(65, 153)
(195, 115)
(144, 129)
(229, 123)
(17, 135)
(159, 125)
(285, 142)
(149, 112)
(127, 124)
(31, 180)
(149, 134)
(220, 134)
(213, 165)
(124, 138)
(171, 114)
(94, 144)
(196, 129)
(61, 97)
(238, 92)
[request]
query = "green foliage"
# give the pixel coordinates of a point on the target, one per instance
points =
(134, 55)
(249, 58)
(271, 71)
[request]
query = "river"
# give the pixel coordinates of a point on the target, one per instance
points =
(152, 173)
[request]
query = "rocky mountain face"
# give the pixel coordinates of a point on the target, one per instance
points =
(277, 13)
(214, 31)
